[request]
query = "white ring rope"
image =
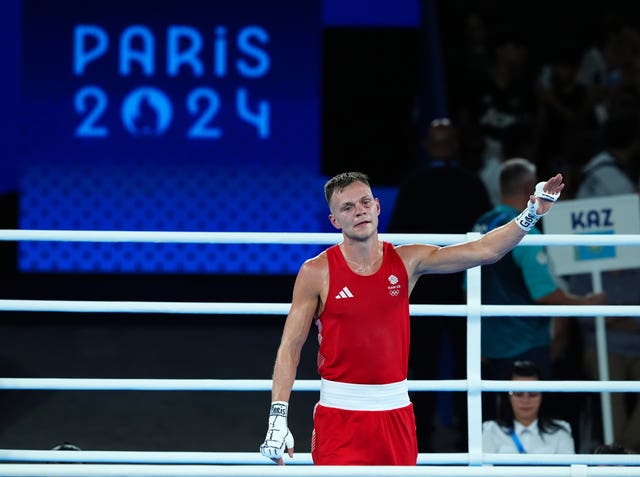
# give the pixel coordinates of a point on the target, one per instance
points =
(76, 306)
(134, 384)
(301, 458)
(299, 238)
(175, 464)
(124, 470)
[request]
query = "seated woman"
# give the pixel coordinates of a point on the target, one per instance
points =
(522, 426)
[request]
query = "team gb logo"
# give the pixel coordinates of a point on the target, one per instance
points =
(394, 288)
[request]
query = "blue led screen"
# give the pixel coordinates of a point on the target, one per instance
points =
(189, 115)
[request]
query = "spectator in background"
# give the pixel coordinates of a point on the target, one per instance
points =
(606, 161)
(610, 173)
(472, 57)
(439, 168)
(501, 103)
(594, 71)
(522, 425)
(563, 109)
(523, 277)
(467, 63)
(430, 183)
(613, 170)
(610, 67)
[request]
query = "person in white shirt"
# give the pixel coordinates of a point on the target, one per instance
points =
(522, 427)
(613, 170)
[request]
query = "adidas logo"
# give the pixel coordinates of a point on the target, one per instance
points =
(344, 293)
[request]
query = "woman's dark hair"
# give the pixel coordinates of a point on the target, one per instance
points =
(66, 446)
(546, 425)
(525, 369)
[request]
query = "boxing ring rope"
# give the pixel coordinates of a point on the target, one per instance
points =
(17, 462)
(124, 470)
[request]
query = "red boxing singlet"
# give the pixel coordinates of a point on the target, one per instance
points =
(364, 328)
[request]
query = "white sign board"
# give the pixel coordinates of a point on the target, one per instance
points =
(619, 214)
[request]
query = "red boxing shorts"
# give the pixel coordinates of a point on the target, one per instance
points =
(363, 437)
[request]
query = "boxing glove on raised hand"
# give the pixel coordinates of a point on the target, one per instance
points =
(529, 216)
(541, 193)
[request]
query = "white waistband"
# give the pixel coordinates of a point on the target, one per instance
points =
(364, 397)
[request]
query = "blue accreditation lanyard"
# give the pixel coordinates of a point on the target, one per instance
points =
(517, 442)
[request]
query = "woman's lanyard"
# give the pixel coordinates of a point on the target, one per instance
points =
(517, 442)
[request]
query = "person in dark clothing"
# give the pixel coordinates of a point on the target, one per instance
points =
(439, 170)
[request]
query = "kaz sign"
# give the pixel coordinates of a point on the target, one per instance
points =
(603, 215)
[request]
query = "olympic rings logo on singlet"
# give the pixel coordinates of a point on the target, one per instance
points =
(394, 288)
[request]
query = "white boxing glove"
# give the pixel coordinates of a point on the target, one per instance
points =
(279, 437)
(529, 216)
(548, 196)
